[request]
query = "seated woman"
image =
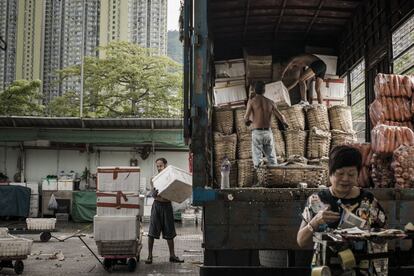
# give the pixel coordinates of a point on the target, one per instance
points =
(324, 208)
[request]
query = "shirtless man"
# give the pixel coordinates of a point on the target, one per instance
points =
(260, 109)
(316, 70)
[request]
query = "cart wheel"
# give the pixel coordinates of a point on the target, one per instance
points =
(45, 236)
(132, 264)
(108, 265)
(18, 267)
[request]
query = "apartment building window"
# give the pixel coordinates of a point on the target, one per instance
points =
(356, 92)
(403, 48)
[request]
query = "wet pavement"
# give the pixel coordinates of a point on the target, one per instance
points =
(79, 261)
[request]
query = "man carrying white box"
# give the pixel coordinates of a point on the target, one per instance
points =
(162, 220)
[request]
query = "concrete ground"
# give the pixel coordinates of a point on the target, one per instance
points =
(79, 261)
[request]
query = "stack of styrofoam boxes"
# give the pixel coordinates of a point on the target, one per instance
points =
(11, 246)
(49, 184)
(34, 197)
(230, 83)
(333, 88)
(119, 204)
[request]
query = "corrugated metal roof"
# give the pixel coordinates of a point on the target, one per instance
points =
(104, 123)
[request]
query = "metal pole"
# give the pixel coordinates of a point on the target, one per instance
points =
(82, 58)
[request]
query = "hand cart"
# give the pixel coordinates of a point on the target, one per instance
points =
(18, 266)
(117, 253)
(45, 234)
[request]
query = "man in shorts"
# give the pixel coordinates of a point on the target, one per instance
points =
(311, 68)
(162, 220)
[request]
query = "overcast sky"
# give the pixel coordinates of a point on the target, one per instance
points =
(173, 14)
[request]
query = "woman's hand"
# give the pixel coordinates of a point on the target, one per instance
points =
(324, 216)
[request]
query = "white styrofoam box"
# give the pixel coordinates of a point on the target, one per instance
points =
(117, 204)
(34, 200)
(33, 186)
(4, 232)
(278, 93)
(34, 206)
(141, 205)
(330, 62)
(230, 68)
(143, 185)
(188, 219)
(332, 89)
(115, 228)
(149, 200)
(33, 212)
(65, 185)
(173, 184)
(49, 184)
(12, 246)
(229, 90)
(111, 179)
(41, 223)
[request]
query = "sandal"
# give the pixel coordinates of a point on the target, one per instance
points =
(149, 260)
(175, 259)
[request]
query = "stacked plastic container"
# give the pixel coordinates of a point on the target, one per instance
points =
(119, 208)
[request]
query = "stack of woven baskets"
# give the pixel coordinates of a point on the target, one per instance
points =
(244, 150)
(295, 136)
(319, 135)
(225, 144)
(341, 124)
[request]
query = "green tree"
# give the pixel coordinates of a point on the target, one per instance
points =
(67, 105)
(129, 81)
(22, 98)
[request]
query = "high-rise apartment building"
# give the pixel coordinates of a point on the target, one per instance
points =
(8, 29)
(44, 36)
(143, 22)
(29, 40)
(80, 29)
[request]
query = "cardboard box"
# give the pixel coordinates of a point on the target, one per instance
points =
(173, 184)
(115, 228)
(230, 68)
(278, 93)
(229, 91)
(112, 179)
(118, 204)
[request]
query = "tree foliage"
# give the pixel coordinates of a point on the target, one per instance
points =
(128, 81)
(22, 98)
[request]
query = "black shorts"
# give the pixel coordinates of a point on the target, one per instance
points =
(319, 68)
(162, 221)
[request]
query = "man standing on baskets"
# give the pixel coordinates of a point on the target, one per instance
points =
(259, 114)
(162, 220)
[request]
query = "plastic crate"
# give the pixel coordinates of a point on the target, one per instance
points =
(41, 223)
(12, 246)
(106, 248)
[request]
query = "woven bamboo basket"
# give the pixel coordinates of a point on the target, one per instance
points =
(324, 163)
(297, 159)
(290, 175)
(279, 143)
(224, 146)
(295, 116)
(317, 116)
(341, 118)
(245, 172)
(295, 142)
(223, 121)
(233, 174)
(239, 121)
(319, 143)
(342, 138)
(244, 145)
